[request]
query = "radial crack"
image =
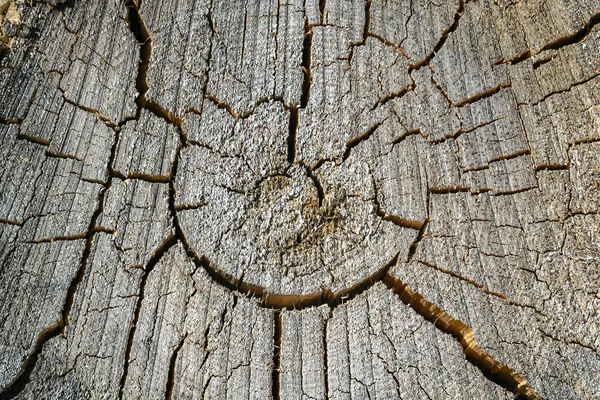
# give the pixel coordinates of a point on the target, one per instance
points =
(156, 257)
(491, 368)
(559, 43)
(16, 386)
(438, 46)
(170, 387)
(277, 335)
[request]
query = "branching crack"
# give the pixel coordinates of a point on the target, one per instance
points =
(438, 46)
(402, 222)
(489, 366)
(156, 257)
(365, 31)
(16, 386)
(171, 373)
(559, 43)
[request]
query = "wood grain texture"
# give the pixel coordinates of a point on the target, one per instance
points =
(308, 199)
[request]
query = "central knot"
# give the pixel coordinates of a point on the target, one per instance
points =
(285, 230)
(288, 212)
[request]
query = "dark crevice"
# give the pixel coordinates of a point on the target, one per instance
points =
(541, 62)
(236, 115)
(477, 285)
(415, 244)
(60, 238)
(466, 280)
(404, 223)
(10, 222)
(568, 89)
(156, 257)
(279, 301)
(244, 30)
(90, 110)
(460, 132)
(306, 61)
(482, 95)
(438, 46)
(365, 35)
(515, 60)
(142, 34)
(440, 87)
(320, 163)
(406, 134)
(317, 183)
(491, 368)
(557, 44)
(516, 154)
(33, 139)
(551, 167)
(367, 20)
(584, 141)
(327, 296)
(170, 387)
(293, 132)
(307, 78)
(352, 143)
(14, 388)
(575, 38)
(325, 356)
(63, 156)
(182, 207)
(388, 43)
(450, 190)
(142, 177)
(514, 191)
(10, 121)
(224, 106)
(276, 372)
(476, 168)
(163, 113)
(392, 96)
(322, 5)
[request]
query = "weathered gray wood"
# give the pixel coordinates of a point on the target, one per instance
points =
(378, 347)
(303, 354)
(107, 296)
(146, 149)
(303, 199)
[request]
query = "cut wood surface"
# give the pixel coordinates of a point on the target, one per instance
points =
(299, 200)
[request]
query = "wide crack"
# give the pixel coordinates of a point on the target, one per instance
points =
(15, 387)
(491, 368)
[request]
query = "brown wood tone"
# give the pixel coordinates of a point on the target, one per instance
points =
(301, 199)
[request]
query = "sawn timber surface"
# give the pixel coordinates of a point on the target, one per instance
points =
(347, 199)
